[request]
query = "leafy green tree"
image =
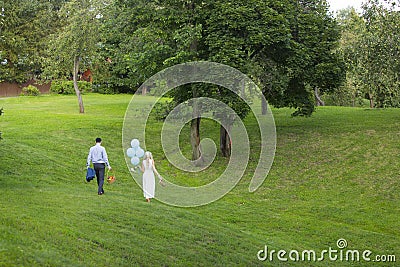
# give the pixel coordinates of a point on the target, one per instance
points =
(297, 56)
(24, 28)
(313, 64)
(370, 46)
(227, 32)
(135, 46)
(184, 21)
(181, 31)
(75, 47)
(352, 30)
(269, 40)
(239, 34)
(379, 53)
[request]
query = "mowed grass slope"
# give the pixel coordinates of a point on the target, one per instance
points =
(335, 175)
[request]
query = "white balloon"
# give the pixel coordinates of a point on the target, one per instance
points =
(135, 161)
(130, 152)
(135, 143)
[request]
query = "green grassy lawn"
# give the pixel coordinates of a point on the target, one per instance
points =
(335, 175)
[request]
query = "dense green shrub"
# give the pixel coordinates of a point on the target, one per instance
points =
(162, 109)
(106, 89)
(67, 87)
(30, 90)
(345, 96)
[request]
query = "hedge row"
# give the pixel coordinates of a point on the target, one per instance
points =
(67, 87)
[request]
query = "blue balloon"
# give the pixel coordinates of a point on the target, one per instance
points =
(139, 152)
(135, 161)
(135, 143)
(130, 152)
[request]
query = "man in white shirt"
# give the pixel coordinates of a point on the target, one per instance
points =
(98, 155)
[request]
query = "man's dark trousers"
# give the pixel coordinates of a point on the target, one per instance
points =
(100, 168)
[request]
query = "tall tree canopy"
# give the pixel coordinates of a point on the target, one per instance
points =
(24, 30)
(312, 63)
(287, 46)
(379, 54)
(352, 29)
(370, 45)
(75, 46)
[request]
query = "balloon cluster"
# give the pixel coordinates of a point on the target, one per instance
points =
(135, 152)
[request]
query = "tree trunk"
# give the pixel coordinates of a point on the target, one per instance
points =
(195, 123)
(224, 142)
(264, 106)
(318, 99)
(195, 129)
(144, 90)
(371, 101)
(195, 138)
(77, 91)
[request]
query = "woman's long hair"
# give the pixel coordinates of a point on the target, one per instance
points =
(148, 157)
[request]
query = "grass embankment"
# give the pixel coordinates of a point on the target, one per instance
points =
(335, 175)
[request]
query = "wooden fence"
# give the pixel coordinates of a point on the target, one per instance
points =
(15, 89)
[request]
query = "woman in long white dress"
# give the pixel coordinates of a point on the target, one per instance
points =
(148, 168)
